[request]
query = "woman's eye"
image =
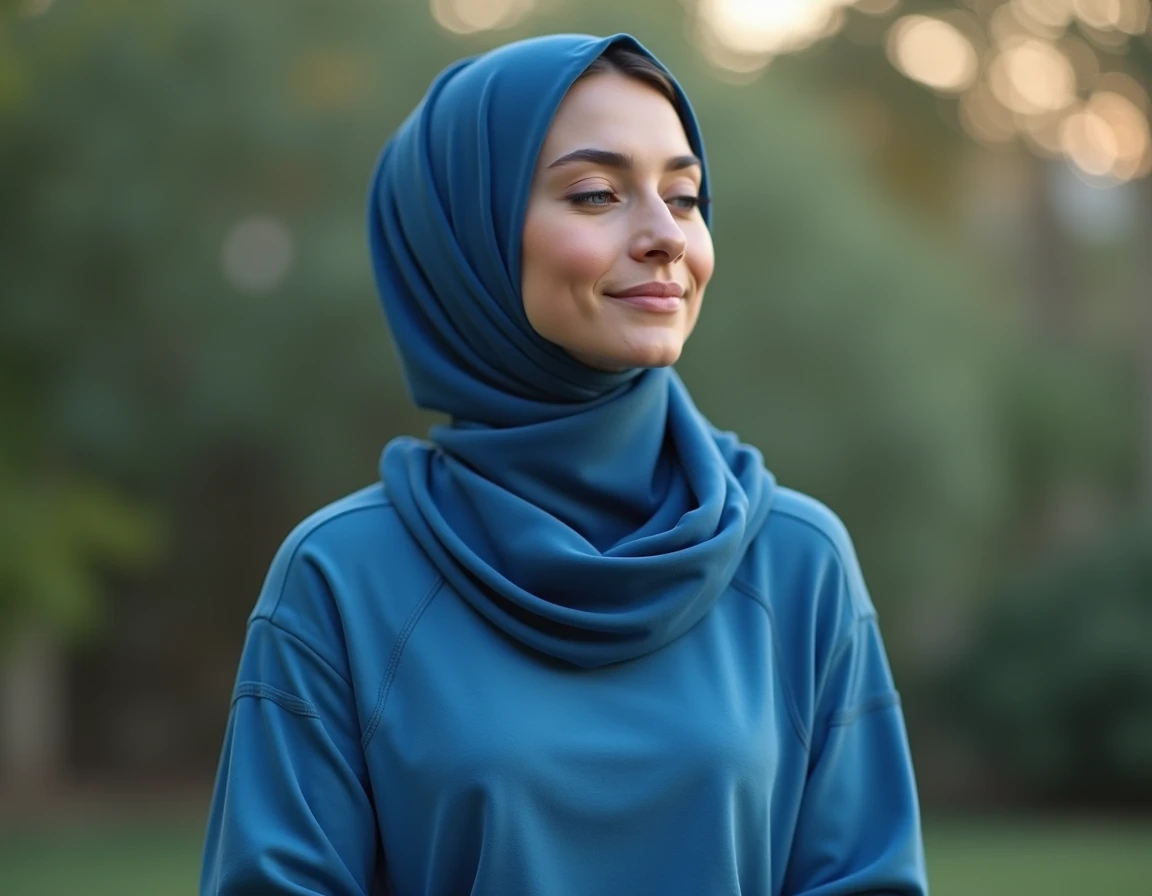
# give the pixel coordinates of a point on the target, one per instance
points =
(688, 203)
(593, 198)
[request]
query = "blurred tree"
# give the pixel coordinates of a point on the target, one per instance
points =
(189, 307)
(60, 534)
(1055, 690)
(61, 529)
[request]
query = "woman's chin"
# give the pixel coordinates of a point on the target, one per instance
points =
(614, 358)
(657, 357)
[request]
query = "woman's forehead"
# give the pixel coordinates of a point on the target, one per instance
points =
(619, 112)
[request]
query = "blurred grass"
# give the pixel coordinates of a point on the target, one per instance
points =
(989, 857)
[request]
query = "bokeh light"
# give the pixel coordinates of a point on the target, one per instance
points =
(257, 253)
(1089, 142)
(1012, 20)
(1108, 138)
(763, 28)
(1126, 16)
(467, 16)
(933, 52)
(1032, 76)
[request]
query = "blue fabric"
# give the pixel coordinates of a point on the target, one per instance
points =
(579, 643)
(384, 738)
(594, 516)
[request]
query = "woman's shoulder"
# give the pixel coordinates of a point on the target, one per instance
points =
(350, 565)
(803, 569)
(343, 525)
(800, 524)
(803, 566)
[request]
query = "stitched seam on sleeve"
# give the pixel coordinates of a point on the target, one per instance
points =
(394, 659)
(837, 656)
(312, 650)
(789, 694)
(871, 705)
(294, 705)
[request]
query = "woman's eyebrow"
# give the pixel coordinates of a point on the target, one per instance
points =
(610, 159)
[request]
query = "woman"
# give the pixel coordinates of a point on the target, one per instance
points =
(579, 642)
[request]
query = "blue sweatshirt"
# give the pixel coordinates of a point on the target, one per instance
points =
(385, 738)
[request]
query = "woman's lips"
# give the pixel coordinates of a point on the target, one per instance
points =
(663, 298)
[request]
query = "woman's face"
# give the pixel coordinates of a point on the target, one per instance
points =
(616, 254)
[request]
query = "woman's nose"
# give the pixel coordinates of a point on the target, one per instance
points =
(659, 235)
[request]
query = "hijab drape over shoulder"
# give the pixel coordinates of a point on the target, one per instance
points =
(593, 516)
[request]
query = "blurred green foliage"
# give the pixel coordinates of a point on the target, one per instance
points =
(60, 532)
(1056, 685)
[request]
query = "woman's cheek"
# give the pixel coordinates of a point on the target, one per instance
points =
(579, 251)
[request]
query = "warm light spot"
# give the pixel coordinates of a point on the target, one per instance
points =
(1032, 76)
(1129, 130)
(932, 52)
(1109, 137)
(1089, 143)
(1134, 15)
(257, 253)
(467, 16)
(731, 66)
(1113, 41)
(1053, 13)
(1101, 14)
(1011, 20)
(984, 118)
(769, 27)
(1128, 16)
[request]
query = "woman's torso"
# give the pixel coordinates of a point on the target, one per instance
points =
(496, 769)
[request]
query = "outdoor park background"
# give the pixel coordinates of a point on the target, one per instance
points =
(932, 310)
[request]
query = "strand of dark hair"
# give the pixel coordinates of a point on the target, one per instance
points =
(626, 61)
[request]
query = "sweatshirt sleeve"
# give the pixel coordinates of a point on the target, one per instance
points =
(858, 830)
(291, 812)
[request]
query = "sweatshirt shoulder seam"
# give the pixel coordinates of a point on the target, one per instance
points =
(303, 533)
(777, 658)
(820, 530)
(394, 660)
(295, 637)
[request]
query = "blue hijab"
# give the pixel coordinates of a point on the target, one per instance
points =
(593, 516)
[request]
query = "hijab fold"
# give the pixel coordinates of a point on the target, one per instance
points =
(593, 516)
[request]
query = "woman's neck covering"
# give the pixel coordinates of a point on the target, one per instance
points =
(593, 516)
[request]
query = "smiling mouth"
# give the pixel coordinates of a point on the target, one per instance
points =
(658, 288)
(653, 303)
(657, 297)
